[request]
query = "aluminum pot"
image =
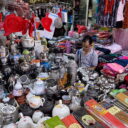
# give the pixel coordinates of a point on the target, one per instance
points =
(9, 114)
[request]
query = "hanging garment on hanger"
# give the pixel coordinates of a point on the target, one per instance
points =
(120, 11)
(60, 13)
(90, 4)
(119, 24)
(106, 17)
(125, 23)
(12, 24)
(121, 37)
(46, 23)
(1, 23)
(1, 16)
(25, 26)
(109, 4)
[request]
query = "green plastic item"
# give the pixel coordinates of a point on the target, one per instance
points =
(26, 52)
(54, 122)
(122, 90)
(114, 92)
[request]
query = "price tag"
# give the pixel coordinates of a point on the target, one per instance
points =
(114, 110)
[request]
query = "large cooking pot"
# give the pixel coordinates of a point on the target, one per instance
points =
(8, 114)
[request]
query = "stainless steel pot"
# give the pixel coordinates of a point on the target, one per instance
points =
(25, 66)
(8, 114)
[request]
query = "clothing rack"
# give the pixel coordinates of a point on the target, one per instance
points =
(44, 5)
(64, 3)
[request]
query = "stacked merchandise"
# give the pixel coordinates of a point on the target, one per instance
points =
(111, 116)
(114, 14)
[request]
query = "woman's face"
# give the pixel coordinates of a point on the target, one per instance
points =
(86, 46)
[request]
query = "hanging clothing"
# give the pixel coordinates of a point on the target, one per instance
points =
(125, 23)
(120, 11)
(40, 12)
(121, 37)
(109, 4)
(90, 4)
(1, 16)
(119, 24)
(107, 12)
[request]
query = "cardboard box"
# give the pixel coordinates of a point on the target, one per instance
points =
(122, 98)
(71, 122)
(104, 114)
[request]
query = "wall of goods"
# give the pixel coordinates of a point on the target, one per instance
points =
(41, 85)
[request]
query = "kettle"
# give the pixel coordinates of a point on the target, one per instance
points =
(39, 87)
(61, 110)
(34, 101)
(25, 122)
(37, 115)
(28, 42)
(12, 125)
(18, 89)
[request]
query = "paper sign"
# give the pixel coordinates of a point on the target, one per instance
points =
(18, 34)
(47, 34)
(64, 16)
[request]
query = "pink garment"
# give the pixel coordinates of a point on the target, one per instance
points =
(124, 57)
(120, 11)
(108, 72)
(71, 33)
(121, 37)
(115, 67)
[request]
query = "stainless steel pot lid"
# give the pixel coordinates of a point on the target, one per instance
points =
(8, 109)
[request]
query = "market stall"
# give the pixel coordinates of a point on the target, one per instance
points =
(41, 85)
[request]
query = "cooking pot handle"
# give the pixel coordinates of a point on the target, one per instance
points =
(34, 44)
(43, 100)
(7, 53)
(21, 115)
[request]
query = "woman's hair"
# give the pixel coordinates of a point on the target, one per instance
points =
(87, 38)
